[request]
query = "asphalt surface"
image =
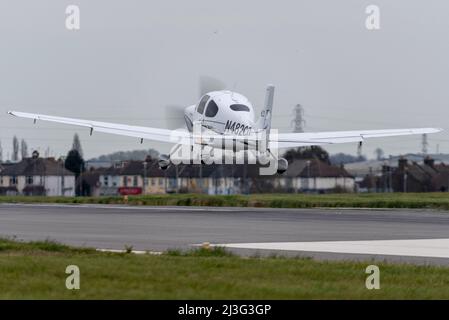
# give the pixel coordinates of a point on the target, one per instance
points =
(161, 228)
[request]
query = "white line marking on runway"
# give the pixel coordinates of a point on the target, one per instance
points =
(436, 248)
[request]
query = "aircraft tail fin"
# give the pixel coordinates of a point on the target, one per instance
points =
(264, 121)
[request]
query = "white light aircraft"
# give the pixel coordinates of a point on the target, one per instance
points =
(227, 118)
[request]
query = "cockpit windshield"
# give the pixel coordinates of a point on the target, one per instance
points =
(239, 107)
(202, 104)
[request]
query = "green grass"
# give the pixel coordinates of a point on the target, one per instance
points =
(36, 270)
(348, 200)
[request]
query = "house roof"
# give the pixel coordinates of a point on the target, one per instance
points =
(441, 167)
(315, 168)
(420, 172)
(35, 167)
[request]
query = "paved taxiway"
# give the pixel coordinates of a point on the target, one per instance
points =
(322, 233)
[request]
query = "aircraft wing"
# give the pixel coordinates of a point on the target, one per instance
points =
(290, 140)
(163, 135)
(280, 140)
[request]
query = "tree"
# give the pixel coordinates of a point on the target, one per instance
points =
(24, 149)
(74, 163)
(77, 144)
(313, 152)
(15, 149)
(379, 153)
(128, 155)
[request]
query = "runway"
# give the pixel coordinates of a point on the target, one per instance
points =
(417, 236)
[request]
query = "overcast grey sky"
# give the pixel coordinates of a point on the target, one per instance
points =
(131, 58)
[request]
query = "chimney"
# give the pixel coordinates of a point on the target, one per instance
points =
(429, 161)
(124, 163)
(402, 163)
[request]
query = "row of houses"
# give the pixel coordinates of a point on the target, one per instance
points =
(47, 176)
(137, 177)
(408, 176)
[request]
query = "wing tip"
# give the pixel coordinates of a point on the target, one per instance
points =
(429, 130)
(434, 130)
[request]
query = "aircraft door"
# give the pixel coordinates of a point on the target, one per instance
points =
(200, 109)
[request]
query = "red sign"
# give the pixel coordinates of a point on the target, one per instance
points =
(124, 191)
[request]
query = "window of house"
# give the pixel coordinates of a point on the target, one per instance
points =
(125, 181)
(106, 180)
(202, 104)
(161, 181)
(29, 180)
(239, 107)
(13, 180)
(212, 109)
(135, 181)
(153, 182)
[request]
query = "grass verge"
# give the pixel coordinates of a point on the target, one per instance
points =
(371, 200)
(36, 270)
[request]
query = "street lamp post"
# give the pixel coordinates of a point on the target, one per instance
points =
(390, 181)
(308, 175)
(83, 167)
(405, 180)
(144, 177)
(62, 175)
